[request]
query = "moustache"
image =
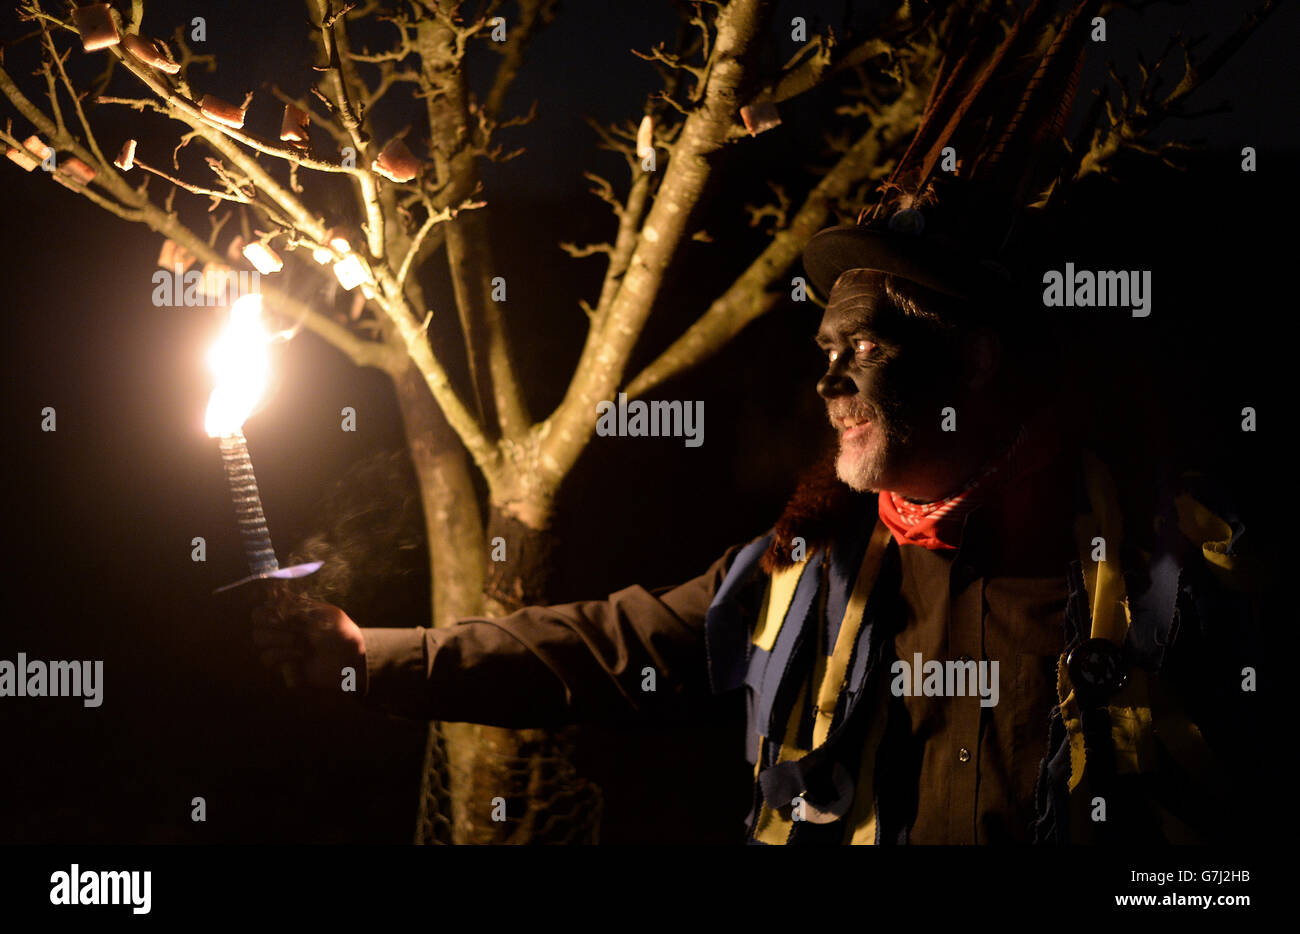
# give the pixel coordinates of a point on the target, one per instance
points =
(851, 407)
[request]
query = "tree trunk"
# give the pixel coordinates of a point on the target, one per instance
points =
(451, 516)
(454, 530)
(472, 773)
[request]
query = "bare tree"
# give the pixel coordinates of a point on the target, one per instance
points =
(416, 207)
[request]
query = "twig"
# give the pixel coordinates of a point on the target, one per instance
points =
(194, 189)
(591, 249)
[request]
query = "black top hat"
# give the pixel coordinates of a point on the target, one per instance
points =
(1000, 102)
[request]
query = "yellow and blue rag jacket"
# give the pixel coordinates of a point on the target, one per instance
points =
(812, 644)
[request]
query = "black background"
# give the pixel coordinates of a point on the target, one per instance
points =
(100, 514)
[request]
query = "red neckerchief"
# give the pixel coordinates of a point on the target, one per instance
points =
(937, 526)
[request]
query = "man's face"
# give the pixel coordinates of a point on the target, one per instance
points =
(882, 387)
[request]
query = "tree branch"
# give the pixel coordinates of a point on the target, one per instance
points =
(609, 344)
(533, 15)
(756, 291)
(441, 46)
(1138, 113)
(435, 217)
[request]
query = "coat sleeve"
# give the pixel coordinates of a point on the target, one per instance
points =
(547, 666)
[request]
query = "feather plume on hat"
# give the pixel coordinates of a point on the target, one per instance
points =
(1001, 101)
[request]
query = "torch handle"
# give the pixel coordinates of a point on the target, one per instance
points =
(248, 504)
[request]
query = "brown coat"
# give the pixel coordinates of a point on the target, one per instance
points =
(1001, 596)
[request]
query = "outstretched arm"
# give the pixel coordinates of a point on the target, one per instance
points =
(637, 653)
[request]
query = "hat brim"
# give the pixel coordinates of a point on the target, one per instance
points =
(832, 251)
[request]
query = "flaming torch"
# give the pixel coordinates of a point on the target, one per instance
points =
(241, 361)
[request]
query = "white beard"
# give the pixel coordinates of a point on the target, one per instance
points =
(861, 464)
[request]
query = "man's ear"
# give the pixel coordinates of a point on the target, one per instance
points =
(983, 356)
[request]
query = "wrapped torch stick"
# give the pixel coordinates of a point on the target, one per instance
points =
(248, 505)
(240, 360)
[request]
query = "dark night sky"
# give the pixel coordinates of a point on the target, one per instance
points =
(100, 514)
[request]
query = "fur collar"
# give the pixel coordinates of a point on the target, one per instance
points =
(822, 508)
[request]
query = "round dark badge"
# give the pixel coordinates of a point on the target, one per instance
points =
(1097, 669)
(908, 221)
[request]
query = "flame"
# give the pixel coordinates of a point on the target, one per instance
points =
(242, 365)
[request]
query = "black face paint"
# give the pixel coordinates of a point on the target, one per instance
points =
(884, 369)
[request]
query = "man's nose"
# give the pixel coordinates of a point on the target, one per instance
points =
(836, 382)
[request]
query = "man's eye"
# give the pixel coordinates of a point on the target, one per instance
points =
(863, 346)
(833, 355)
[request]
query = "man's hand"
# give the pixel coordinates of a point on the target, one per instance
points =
(309, 641)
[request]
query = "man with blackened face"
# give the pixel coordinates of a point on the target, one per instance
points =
(953, 633)
(894, 363)
(932, 644)
(922, 636)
